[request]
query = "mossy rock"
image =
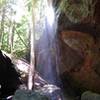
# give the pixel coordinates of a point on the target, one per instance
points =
(90, 96)
(29, 95)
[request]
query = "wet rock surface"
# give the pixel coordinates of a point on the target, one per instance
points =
(29, 95)
(85, 75)
(47, 92)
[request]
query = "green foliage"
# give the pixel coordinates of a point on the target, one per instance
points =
(2, 2)
(19, 30)
(16, 27)
(77, 10)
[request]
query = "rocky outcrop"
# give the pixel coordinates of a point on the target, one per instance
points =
(85, 72)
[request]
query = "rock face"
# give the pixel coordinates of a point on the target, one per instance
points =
(90, 96)
(85, 72)
(9, 78)
(80, 52)
(29, 95)
(47, 92)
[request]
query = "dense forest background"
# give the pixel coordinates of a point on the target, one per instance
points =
(15, 25)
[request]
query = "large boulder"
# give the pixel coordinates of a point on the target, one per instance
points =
(84, 55)
(9, 77)
(29, 95)
(46, 92)
(88, 95)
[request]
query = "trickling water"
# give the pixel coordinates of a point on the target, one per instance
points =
(47, 63)
(47, 54)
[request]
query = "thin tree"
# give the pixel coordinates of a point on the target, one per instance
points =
(32, 53)
(2, 26)
(11, 31)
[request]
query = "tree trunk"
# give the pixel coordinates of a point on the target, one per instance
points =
(2, 27)
(32, 55)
